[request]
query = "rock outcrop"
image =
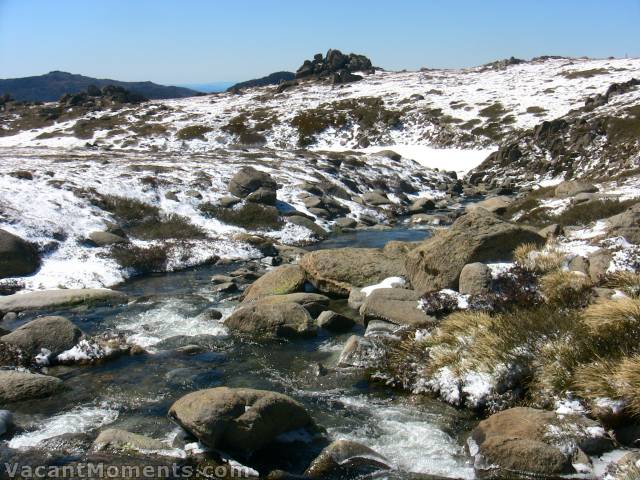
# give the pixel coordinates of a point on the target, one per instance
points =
(477, 236)
(339, 66)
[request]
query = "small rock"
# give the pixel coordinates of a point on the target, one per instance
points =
(579, 264)
(422, 205)
(497, 205)
(247, 180)
(375, 199)
(116, 440)
(552, 231)
(335, 322)
(55, 334)
(599, 262)
(475, 279)
(17, 386)
(346, 222)
(226, 287)
(104, 239)
(17, 256)
(228, 201)
(320, 232)
(264, 196)
(347, 459)
(279, 281)
(573, 188)
(221, 279)
(275, 320)
(359, 352)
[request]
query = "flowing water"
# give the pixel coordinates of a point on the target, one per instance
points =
(135, 392)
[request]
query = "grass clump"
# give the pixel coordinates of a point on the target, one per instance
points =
(127, 210)
(566, 289)
(193, 132)
(624, 128)
(587, 212)
(575, 74)
(531, 258)
(493, 112)
(251, 216)
(535, 110)
(627, 282)
(143, 260)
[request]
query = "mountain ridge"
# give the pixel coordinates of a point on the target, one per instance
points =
(51, 86)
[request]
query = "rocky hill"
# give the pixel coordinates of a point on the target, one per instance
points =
(271, 79)
(53, 85)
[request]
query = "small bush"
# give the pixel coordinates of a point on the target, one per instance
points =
(165, 227)
(151, 259)
(493, 112)
(614, 325)
(251, 216)
(127, 210)
(193, 132)
(535, 110)
(625, 127)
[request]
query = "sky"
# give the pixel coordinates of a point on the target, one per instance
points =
(200, 41)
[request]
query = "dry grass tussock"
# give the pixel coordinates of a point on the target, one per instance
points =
(531, 258)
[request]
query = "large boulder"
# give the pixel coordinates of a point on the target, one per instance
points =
(17, 386)
(279, 281)
(248, 180)
(17, 256)
(337, 271)
(497, 205)
(314, 303)
(346, 459)
(53, 299)
(238, 419)
(626, 224)
(572, 188)
(272, 320)
(395, 305)
(477, 236)
(55, 334)
(534, 442)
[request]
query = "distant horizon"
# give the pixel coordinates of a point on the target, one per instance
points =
(200, 42)
(221, 85)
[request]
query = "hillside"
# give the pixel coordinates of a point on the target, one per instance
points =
(414, 112)
(51, 86)
(271, 79)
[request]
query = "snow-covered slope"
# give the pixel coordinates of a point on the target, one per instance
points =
(470, 108)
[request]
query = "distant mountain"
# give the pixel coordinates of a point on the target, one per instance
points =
(212, 87)
(273, 79)
(53, 85)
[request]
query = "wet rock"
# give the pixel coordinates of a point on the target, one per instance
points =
(53, 334)
(534, 441)
(422, 205)
(314, 303)
(320, 232)
(216, 279)
(104, 239)
(395, 305)
(238, 419)
(277, 320)
(248, 180)
(116, 440)
(17, 256)
(279, 281)
(226, 287)
(346, 222)
(475, 237)
(475, 279)
(17, 386)
(335, 322)
(53, 299)
(346, 459)
(360, 352)
(382, 328)
(337, 271)
(6, 422)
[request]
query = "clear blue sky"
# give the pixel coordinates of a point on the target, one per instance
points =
(189, 41)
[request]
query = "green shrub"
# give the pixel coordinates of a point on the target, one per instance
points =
(127, 210)
(251, 216)
(575, 74)
(493, 112)
(625, 127)
(193, 132)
